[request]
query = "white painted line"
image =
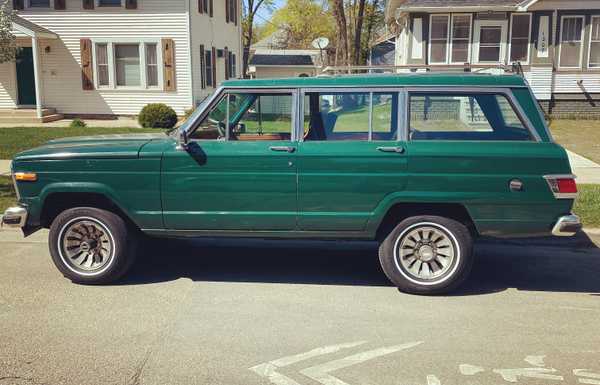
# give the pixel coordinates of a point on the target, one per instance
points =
(470, 370)
(535, 360)
(320, 373)
(512, 375)
(433, 380)
(268, 369)
(594, 379)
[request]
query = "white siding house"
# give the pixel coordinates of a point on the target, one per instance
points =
(112, 57)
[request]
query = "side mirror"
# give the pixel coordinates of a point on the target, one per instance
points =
(183, 139)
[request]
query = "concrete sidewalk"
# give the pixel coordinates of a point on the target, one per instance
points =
(4, 167)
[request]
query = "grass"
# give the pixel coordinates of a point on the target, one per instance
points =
(587, 205)
(16, 139)
(579, 136)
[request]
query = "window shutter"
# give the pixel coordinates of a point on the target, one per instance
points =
(200, 6)
(235, 11)
(202, 68)
(87, 72)
(60, 5)
(131, 4)
(88, 4)
(214, 66)
(211, 5)
(226, 56)
(227, 11)
(18, 4)
(168, 47)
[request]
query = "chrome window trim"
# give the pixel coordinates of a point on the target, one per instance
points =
(507, 92)
(14, 180)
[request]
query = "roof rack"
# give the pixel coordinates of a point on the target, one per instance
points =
(514, 68)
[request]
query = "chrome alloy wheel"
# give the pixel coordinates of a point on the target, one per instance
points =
(86, 246)
(425, 253)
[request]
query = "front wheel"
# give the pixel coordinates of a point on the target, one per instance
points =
(90, 245)
(427, 255)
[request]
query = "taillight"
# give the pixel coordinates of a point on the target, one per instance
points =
(562, 186)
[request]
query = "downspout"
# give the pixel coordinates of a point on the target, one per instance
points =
(36, 76)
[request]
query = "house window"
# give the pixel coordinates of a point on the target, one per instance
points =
(519, 37)
(438, 39)
(109, 3)
(594, 59)
(39, 3)
(490, 43)
(151, 65)
(461, 37)
(127, 65)
(231, 10)
(571, 32)
(102, 65)
(208, 68)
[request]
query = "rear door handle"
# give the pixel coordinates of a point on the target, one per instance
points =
(398, 150)
(282, 148)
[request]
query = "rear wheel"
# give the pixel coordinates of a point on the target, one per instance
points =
(427, 255)
(90, 245)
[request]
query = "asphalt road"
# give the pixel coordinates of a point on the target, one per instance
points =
(262, 312)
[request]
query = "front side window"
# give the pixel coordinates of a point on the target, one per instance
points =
(350, 116)
(571, 33)
(594, 61)
(519, 38)
(438, 39)
(127, 65)
(473, 117)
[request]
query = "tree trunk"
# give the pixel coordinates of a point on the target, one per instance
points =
(371, 21)
(247, 44)
(337, 7)
(358, 32)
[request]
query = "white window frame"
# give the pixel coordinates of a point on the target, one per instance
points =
(50, 5)
(469, 41)
(431, 16)
(560, 39)
(510, 36)
(109, 6)
(503, 24)
(112, 68)
(590, 43)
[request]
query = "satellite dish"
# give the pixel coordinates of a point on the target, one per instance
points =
(320, 43)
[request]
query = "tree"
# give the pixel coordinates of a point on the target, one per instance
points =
(356, 49)
(8, 42)
(298, 23)
(339, 14)
(250, 7)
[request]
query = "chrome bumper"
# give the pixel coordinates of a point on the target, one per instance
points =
(15, 217)
(567, 226)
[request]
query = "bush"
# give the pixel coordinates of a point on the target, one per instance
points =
(77, 123)
(157, 115)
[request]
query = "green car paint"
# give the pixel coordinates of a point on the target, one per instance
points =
(320, 189)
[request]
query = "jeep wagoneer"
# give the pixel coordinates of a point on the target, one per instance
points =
(422, 163)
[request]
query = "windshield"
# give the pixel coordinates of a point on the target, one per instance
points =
(193, 117)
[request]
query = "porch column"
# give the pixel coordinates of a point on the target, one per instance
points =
(37, 74)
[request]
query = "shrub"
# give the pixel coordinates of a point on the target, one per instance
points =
(77, 123)
(157, 115)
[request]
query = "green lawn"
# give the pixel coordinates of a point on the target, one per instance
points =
(579, 136)
(16, 139)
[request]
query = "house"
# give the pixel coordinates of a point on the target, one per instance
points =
(101, 58)
(277, 63)
(556, 42)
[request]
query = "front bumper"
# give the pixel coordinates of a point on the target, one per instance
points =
(15, 217)
(567, 226)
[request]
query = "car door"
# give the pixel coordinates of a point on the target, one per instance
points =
(239, 170)
(351, 156)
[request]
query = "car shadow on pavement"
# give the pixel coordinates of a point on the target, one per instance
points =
(500, 265)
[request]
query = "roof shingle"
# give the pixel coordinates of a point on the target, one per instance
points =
(283, 60)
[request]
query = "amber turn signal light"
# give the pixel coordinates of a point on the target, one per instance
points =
(26, 176)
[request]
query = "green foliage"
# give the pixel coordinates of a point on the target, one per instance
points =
(8, 42)
(587, 205)
(189, 112)
(157, 115)
(77, 123)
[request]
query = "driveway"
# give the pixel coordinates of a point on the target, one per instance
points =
(261, 312)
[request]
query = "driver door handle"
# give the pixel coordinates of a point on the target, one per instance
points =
(398, 150)
(283, 148)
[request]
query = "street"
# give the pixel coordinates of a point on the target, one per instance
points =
(288, 313)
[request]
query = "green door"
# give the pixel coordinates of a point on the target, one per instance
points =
(346, 169)
(241, 180)
(25, 77)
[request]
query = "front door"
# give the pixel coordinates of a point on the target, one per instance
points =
(350, 158)
(239, 170)
(25, 77)
(490, 41)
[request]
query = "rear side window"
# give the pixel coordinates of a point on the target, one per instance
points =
(448, 116)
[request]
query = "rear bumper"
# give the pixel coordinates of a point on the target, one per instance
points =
(567, 226)
(15, 217)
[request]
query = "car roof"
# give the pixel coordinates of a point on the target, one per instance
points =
(387, 80)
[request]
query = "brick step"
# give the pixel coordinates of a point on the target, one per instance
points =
(26, 112)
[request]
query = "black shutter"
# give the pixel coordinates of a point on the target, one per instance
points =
(211, 6)
(131, 4)
(214, 66)
(227, 17)
(18, 4)
(202, 67)
(200, 6)
(88, 4)
(60, 5)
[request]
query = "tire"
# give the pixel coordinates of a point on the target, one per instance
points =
(427, 255)
(91, 246)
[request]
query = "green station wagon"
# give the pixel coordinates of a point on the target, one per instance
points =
(422, 163)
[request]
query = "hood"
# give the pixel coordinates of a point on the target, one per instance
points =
(91, 147)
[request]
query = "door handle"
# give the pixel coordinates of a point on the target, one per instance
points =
(283, 148)
(398, 150)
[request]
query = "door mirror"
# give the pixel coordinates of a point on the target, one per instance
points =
(183, 139)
